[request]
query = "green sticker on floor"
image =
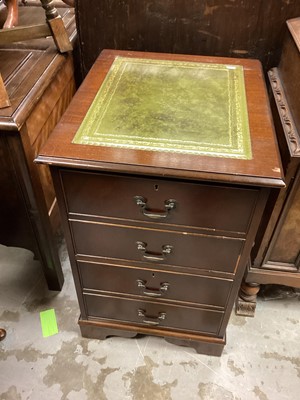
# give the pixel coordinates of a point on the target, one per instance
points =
(48, 322)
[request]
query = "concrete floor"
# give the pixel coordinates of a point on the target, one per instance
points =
(261, 360)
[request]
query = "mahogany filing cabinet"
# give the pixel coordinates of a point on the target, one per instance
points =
(160, 224)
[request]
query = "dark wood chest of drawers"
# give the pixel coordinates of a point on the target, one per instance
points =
(39, 83)
(158, 242)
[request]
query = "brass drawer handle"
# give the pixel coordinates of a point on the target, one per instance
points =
(150, 320)
(150, 256)
(164, 287)
(142, 202)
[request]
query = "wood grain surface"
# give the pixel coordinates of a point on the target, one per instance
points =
(264, 168)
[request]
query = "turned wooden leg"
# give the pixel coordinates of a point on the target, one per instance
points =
(2, 334)
(12, 14)
(246, 301)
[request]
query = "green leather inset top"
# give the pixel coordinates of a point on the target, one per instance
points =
(159, 105)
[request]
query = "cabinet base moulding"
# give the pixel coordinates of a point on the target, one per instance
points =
(211, 346)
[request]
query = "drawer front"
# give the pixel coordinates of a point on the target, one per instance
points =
(155, 284)
(156, 247)
(153, 314)
(206, 206)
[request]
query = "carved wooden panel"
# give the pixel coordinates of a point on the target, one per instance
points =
(284, 111)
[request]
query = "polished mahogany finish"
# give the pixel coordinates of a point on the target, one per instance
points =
(159, 241)
(165, 283)
(263, 169)
(231, 209)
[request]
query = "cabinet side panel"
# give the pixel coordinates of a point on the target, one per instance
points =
(287, 246)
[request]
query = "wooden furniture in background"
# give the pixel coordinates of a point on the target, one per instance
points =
(52, 26)
(135, 272)
(40, 84)
(276, 256)
(184, 26)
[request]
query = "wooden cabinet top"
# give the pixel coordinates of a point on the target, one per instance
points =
(259, 164)
(28, 67)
